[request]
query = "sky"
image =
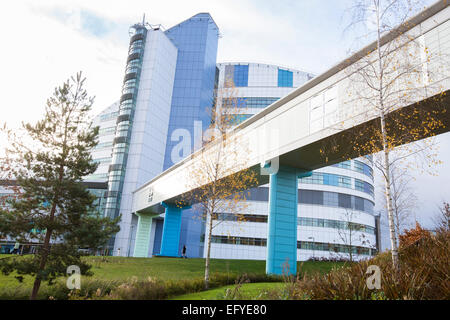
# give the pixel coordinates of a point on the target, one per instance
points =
(47, 41)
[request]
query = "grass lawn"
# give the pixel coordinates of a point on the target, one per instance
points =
(123, 269)
(249, 291)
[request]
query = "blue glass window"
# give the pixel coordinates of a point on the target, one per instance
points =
(285, 78)
(241, 75)
(250, 102)
(363, 168)
(238, 118)
(337, 181)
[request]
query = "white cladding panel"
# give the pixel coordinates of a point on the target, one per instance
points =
(150, 124)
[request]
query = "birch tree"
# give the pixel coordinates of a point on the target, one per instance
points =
(219, 177)
(383, 86)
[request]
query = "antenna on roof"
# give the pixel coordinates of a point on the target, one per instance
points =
(143, 20)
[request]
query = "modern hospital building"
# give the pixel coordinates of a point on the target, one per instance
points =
(171, 78)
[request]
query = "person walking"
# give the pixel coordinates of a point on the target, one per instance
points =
(183, 252)
(16, 248)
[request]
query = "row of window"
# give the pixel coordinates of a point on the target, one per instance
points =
(109, 116)
(108, 130)
(260, 242)
(302, 221)
(239, 118)
(316, 197)
(249, 102)
(333, 247)
(338, 181)
(358, 166)
(104, 145)
(239, 75)
(335, 199)
(363, 168)
(302, 245)
(335, 224)
(102, 160)
(97, 176)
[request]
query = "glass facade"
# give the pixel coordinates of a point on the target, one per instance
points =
(335, 180)
(193, 92)
(116, 174)
(193, 89)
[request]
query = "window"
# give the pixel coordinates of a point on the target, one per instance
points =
(130, 83)
(104, 145)
(363, 168)
(108, 130)
(345, 200)
(320, 246)
(316, 113)
(343, 165)
(249, 102)
(285, 78)
(359, 204)
(363, 186)
(241, 75)
(239, 240)
(239, 118)
(109, 116)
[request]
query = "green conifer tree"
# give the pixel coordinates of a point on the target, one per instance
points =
(50, 204)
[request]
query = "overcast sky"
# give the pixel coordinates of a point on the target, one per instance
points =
(46, 41)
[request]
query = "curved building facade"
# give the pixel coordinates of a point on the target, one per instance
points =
(335, 209)
(169, 82)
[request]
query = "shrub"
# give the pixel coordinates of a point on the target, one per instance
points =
(155, 289)
(423, 274)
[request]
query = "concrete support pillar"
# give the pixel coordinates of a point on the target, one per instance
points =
(282, 222)
(141, 245)
(171, 231)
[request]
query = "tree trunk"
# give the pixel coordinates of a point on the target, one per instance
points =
(394, 249)
(208, 253)
(385, 146)
(45, 251)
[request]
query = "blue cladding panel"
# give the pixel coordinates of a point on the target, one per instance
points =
(285, 78)
(171, 231)
(241, 75)
(193, 90)
(282, 222)
(158, 237)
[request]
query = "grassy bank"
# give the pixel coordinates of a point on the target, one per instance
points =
(110, 272)
(248, 291)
